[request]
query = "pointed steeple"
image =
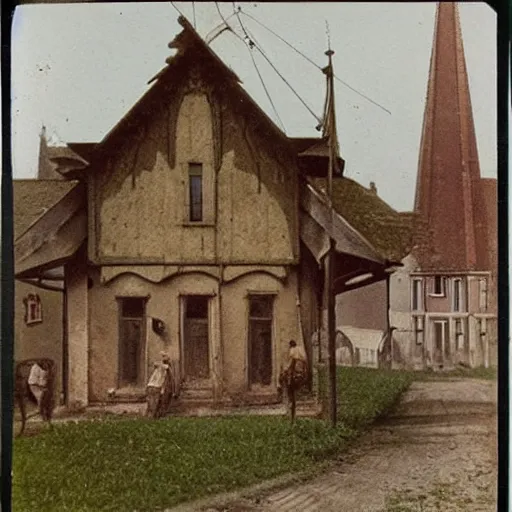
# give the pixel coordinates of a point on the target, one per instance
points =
(449, 195)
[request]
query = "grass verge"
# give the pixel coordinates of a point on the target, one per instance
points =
(144, 465)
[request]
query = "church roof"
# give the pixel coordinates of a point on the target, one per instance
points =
(449, 194)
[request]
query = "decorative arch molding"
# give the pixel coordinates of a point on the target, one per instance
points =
(157, 273)
(232, 273)
(194, 83)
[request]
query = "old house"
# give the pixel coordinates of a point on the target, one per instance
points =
(38, 327)
(442, 303)
(195, 227)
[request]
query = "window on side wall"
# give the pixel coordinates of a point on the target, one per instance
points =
(417, 294)
(457, 295)
(439, 286)
(482, 292)
(195, 190)
(33, 309)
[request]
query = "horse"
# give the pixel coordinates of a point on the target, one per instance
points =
(23, 392)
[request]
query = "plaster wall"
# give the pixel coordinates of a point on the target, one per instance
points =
(40, 340)
(141, 197)
(235, 314)
(228, 323)
(364, 307)
(78, 334)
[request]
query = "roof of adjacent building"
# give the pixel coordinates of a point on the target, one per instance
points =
(389, 231)
(33, 198)
(449, 194)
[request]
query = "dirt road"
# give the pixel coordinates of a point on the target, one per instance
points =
(437, 452)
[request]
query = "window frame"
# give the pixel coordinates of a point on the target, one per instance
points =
(35, 316)
(420, 303)
(442, 281)
(459, 297)
(271, 297)
(122, 318)
(195, 170)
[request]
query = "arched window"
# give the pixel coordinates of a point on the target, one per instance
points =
(33, 309)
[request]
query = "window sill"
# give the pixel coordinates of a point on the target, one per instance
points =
(437, 295)
(34, 322)
(200, 224)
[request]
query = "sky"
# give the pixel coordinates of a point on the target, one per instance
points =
(78, 68)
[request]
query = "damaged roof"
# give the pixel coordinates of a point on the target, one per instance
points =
(389, 231)
(33, 198)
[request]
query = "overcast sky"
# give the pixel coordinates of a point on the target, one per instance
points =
(78, 69)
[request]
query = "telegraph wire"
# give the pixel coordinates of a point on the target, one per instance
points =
(180, 13)
(283, 40)
(249, 44)
(267, 92)
(253, 40)
(367, 98)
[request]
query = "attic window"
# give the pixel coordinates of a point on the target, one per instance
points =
(33, 309)
(195, 185)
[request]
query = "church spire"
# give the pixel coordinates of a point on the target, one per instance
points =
(449, 195)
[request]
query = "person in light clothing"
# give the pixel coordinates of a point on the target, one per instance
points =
(159, 387)
(38, 382)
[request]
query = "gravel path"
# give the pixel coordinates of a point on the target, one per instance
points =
(437, 452)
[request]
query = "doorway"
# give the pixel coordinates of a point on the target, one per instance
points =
(196, 351)
(131, 341)
(441, 342)
(260, 341)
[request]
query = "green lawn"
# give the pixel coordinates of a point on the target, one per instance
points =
(138, 464)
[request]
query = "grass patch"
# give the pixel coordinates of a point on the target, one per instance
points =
(365, 394)
(144, 465)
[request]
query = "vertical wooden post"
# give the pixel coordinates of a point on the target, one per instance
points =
(329, 261)
(331, 332)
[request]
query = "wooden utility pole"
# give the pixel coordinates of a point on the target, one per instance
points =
(330, 132)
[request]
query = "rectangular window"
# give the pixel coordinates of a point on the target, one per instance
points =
(417, 294)
(439, 286)
(457, 295)
(459, 334)
(260, 339)
(196, 338)
(131, 340)
(195, 182)
(482, 286)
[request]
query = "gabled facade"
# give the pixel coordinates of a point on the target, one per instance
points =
(452, 307)
(194, 227)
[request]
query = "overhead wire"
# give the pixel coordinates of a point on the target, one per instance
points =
(267, 92)
(367, 98)
(179, 12)
(252, 39)
(247, 42)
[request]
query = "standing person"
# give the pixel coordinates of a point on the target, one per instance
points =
(295, 375)
(157, 386)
